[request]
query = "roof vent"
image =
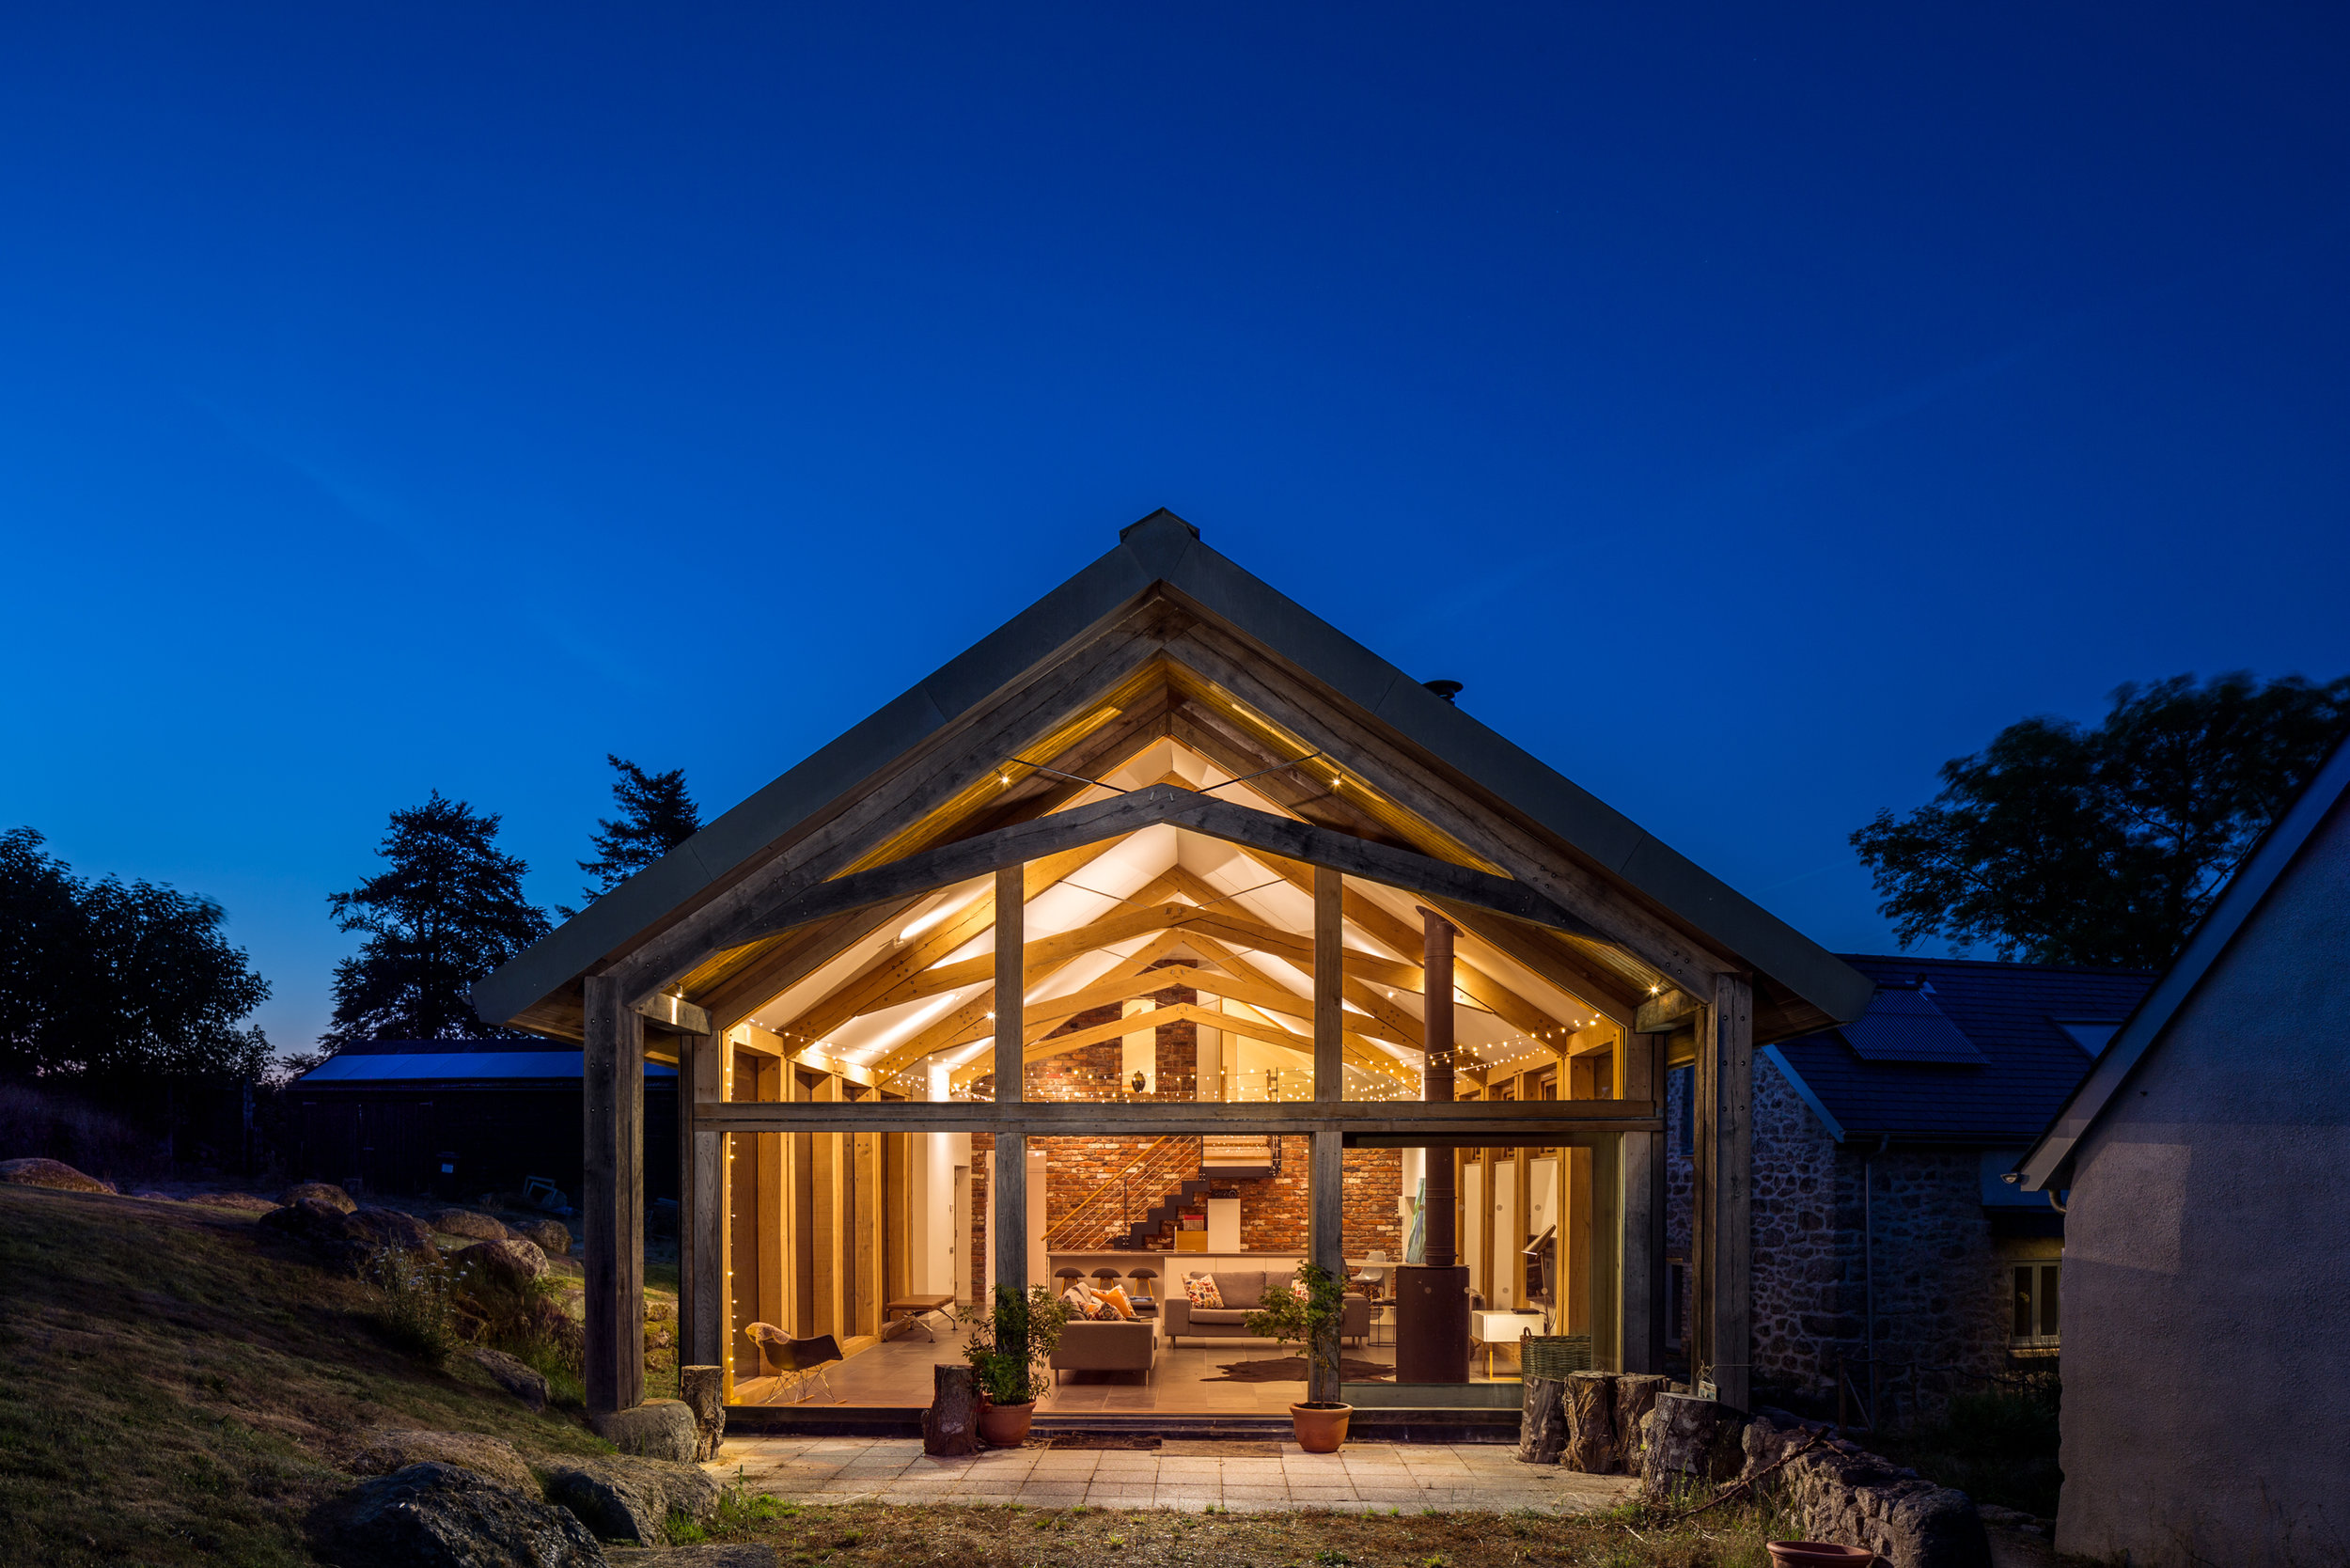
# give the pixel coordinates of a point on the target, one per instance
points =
(1445, 689)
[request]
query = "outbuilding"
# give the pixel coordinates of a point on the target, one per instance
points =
(2203, 1167)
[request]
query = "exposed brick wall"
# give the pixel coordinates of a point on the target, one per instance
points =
(983, 1215)
(1273, 1213)
(1374, 1178)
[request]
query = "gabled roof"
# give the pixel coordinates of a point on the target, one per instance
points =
(2013, 1014)
(1163, 635)
(2049, 1163)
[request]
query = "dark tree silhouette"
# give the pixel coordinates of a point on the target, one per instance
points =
(656, 816)
(446, 910)
(107, 983)
(2061, 843)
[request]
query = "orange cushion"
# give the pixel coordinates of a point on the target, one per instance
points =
(1116, 1297)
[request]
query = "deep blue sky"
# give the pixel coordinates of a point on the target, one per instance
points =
(1755, 406)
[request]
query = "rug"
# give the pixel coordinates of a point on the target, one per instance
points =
(1291, 1369)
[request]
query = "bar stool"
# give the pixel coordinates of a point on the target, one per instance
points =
(1105, 1278)
(1146, 1281)
(1066, 1276)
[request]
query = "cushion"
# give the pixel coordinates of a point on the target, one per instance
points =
(1116, 1297)
(1202, 1289)
(1074, 1299)
(1232, 1317)
(1243, 1288)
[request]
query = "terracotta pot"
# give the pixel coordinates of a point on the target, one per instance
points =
(1320, 1430)
(1005, 1426)
(1818, 1553)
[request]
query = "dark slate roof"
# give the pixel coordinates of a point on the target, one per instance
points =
(454, 1064)
(2013, 1014)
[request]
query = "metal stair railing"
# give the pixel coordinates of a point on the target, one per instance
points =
(1058, 1238)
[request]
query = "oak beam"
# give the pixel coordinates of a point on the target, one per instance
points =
(612, 1196)
(1329, 1016)
(1473, 1122)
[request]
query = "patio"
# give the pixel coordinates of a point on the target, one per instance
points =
(1240, 1476)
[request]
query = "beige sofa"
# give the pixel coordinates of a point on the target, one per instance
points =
(1087, 1345)
(1244, 1291)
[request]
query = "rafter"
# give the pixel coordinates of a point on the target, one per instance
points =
(1361, 1054)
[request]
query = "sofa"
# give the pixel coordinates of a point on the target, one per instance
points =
(1244, 1291)
(1085, 1345)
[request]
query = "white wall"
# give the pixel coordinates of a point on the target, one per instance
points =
(2206, 1283)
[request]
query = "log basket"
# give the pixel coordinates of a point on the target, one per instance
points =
(1554, 1354)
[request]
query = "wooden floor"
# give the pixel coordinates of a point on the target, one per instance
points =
(897, 1372)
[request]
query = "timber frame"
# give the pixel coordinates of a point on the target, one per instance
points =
(1345, 782)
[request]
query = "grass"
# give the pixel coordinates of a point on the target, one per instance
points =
(181, 1387)
(1083, 1537)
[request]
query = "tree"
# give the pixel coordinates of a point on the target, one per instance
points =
(105, 985)
(447, 910)
(656, 816)
(2064, 844)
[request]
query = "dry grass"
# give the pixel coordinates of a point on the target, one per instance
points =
(179, 1386)
(1078, 1537)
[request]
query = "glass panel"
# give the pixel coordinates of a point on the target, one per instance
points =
(2048, 1300)
(2023, 1315)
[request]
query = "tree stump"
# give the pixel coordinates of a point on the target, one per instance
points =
(951, 1424)
(1693, 1444)
(1542, 1421)
(1635, 1396)
(704, 1390)
(1591, 1404)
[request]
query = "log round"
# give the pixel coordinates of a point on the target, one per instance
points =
(1590, 1423)
(704, 1390)
(1542, 1421)
(951, 1424)
(1635, 1396)
(1691, 1444)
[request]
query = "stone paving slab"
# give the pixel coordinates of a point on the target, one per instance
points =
(1376, 1476)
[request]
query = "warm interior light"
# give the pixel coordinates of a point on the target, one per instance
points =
(922, 923)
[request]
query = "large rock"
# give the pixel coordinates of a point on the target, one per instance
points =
(510, 1265)
(434, 1515)
(323, 1229)
(624, 1498)
(55, 1174)
(465, 1222)
(493, 1458)
(518, 1379)
(553, 1239)
(657, 1429)
(389, 1227)
(1837, 1492)
(326, 1192)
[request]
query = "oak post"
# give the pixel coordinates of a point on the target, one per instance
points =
(1327, 1245)
(701, 1205)
(1329, 984)
(1641, 1168)
(1011, 1152)
(613, 1197)
(1725, 1151)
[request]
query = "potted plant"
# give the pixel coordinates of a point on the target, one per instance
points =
(1310, 1318)
(1009, 1348)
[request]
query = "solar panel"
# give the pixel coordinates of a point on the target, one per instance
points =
(1903, 1025)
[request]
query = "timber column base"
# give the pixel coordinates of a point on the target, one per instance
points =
(1432, 1317)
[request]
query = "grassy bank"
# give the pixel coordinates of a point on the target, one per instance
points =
(1079, 1537)
(178, 1388)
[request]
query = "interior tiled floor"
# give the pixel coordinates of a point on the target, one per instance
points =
(1365, 1476)
(897, 1372)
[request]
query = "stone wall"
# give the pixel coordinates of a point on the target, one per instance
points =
(1941, 1281)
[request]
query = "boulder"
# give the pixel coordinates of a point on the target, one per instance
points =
(312, 1221)
(53, 1174)
(465, 1222)
(737, 1554)
(492, 1458)
(326, 1192)
(434, 1515)
(390, 1227)
(510, 1265)
(657, 1429)
(515, 1376)
(550, 1235)
(624, 1498)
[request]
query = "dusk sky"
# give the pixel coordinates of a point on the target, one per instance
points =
(1754, 406)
